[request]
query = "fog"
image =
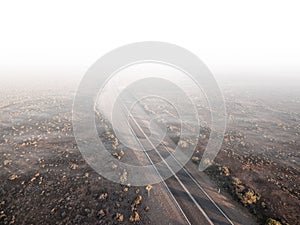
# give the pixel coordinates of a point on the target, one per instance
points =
(57, 78)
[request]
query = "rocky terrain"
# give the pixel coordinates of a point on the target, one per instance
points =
(45, 180)
(259, 160)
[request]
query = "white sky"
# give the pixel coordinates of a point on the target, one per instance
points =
(231, 37)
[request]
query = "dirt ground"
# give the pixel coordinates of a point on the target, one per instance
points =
(45, 180)
(261, 149)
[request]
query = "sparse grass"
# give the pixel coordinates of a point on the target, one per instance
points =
(240, 191)
(195, 159)
(271, 221)
(248, 197)
(135, 217)
(123, 177)
(183, 144)
(224, 170)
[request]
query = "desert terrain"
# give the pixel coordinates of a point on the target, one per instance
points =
(45, 180)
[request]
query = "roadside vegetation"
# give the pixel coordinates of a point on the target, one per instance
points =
(242, 193)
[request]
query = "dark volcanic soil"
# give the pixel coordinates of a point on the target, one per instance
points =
(62, 189)
(261, 149)
(44, 179)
